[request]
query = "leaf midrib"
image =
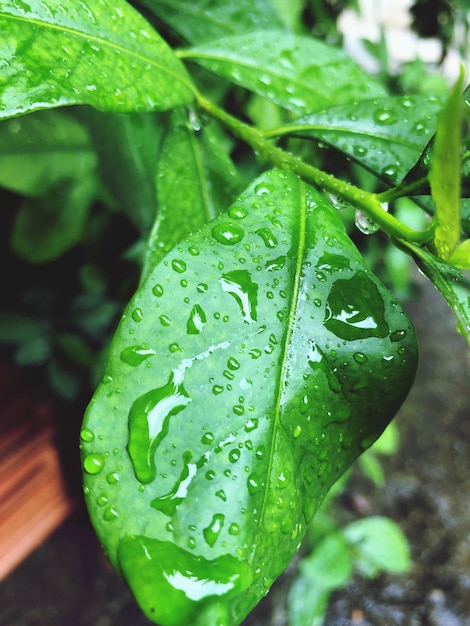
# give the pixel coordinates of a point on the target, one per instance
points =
(290, 330)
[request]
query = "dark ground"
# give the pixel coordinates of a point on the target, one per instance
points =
(67, 581)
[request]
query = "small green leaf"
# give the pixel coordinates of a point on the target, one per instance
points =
(444, 176)
(383, 134)
(195, 181)
(380, 546)
(451, 282)
(242, 382)
(47, 227)
(299, 73)
(461, 256)
(106, 55)
(206, 20)
(41, 149)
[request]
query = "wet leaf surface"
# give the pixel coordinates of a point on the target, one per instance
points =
(104, 55)
(300, 74)
(255, 363)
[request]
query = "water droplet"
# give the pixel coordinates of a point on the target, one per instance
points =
(168, 503)
(112, 478)
(193, 250)
(397, 335)
(385, 117)
(111, 513)
(267, 236)
(207, 438)
(197, 320)
(221, 494)
(157, 291)
(233, 364)
(212, 532)
(149, 419)
(93, 463)
(102, 500)
(359, 357)
(364, 223)
(210, 475)
(228, 233)
(255, 353)
(164, 320)
(216, 389)
(355, 309)
(253, 483)
(137, 315)
(360, 151)
(234, 455)
(240, 286)
(251, 425)
(297, 431)
(135, 355)
(178, 265)
(87, 435)
(174, 347)
(275, 264)
(237, 212)
(202, 287)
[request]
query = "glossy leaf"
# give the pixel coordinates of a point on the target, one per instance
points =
(42, 149)
(128, 146)
(299, 73)
(383, 134)
(453, 284)
(195, 181)
(205, 20)
(444, 176)
(256, 362)
(103, 54)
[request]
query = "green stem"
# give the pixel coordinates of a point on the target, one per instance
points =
(367, 202)
(402, 190)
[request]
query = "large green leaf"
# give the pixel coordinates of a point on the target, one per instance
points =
(256, 362)
(205, 20)
(299, 73)
(382, 134)
(103, 54)
(195, 181)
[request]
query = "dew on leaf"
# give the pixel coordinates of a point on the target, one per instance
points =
(149, 421)
(202, 287)
(112, 478)
(178, 266)
(359, 357)
(384, 117)
(237, 212)
(135, 355)
(364, 223)
(169, 502)
(268, 237)
(196, 321)
(397, 335)
(93, 463)
(137, 315)
(275, 264)
(111, 513)
(251, 425)
(158, 290)
(217, 389)
(211, 533)
(233, 364)
(253, 483)
(234, 455)
(87, 435)
(240, 286)
(221, 494)
(228, 233)
(207, 438)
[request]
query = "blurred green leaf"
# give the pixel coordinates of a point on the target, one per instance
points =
(380, 546)
(205, 20)
(105, 55)
(299, 73)
(444, 175)
(41, 149)
(47, 227)
(461, 256)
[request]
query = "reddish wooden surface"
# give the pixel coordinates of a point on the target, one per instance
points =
(33, 496)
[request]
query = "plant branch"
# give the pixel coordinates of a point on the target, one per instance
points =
(367, 202)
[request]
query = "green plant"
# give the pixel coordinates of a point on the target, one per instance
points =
(260, 355)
